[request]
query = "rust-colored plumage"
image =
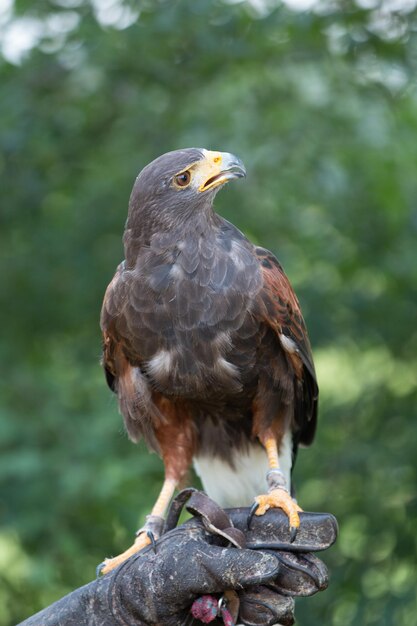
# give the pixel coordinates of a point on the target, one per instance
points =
(204, 341)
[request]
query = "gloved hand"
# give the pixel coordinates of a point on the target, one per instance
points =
(196, 559)
(189, 562)
(205, 557)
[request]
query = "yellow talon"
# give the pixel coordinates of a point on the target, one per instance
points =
(279, 498)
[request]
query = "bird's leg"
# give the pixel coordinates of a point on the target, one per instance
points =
(278, 495)
(176, 441)
(150, 531)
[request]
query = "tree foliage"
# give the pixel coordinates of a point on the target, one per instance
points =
(320, 104)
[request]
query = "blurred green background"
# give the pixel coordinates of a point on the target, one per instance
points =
(319, 99)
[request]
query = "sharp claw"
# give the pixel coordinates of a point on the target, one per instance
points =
(99, 569)
(293, 533)
(151, 538)
(252, 512)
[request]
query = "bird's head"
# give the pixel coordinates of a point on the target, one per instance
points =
(181, 182)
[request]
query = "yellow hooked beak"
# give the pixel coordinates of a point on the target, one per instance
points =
(217, 168)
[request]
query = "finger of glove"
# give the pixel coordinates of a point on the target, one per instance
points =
(261, 606)
(231, 568)
(318, 531)
(300, 574)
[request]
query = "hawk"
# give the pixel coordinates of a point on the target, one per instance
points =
(205, 345)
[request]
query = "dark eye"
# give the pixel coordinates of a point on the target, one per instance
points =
(183, 179)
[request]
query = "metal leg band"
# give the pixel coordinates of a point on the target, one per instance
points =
(276, 480)
(154, 524)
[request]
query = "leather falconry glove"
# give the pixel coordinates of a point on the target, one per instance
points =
(201, 568)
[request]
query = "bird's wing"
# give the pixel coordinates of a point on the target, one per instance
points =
(111, 311)
(121, 359)
(281, 311)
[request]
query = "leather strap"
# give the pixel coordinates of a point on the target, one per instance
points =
(214, 518)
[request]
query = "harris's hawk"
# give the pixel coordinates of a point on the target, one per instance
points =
(205, 344)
